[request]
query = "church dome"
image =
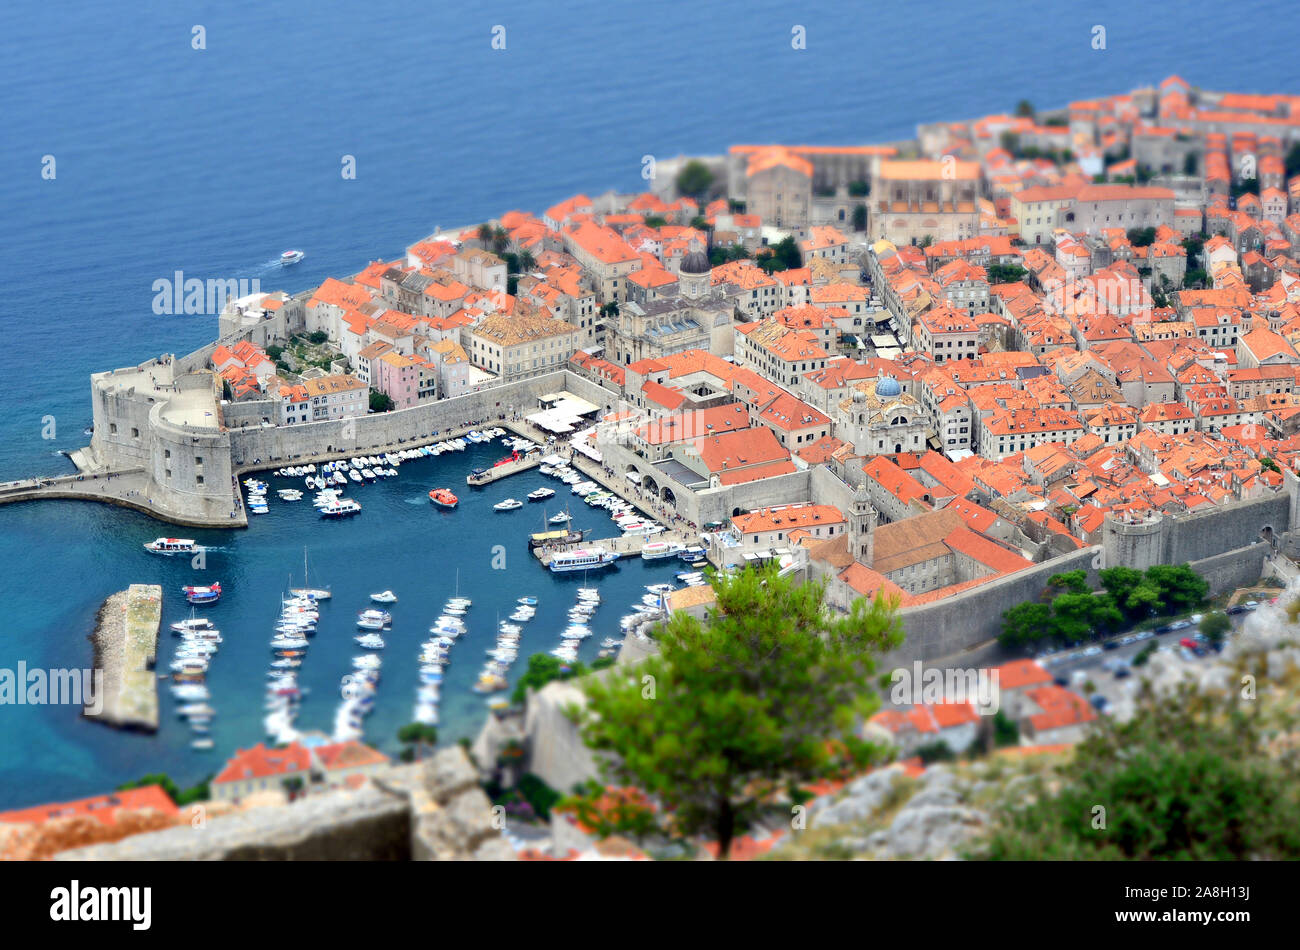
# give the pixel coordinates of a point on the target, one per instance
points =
(695, 262)
(888, 388)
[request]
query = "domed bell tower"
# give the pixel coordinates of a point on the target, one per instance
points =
(693, 272)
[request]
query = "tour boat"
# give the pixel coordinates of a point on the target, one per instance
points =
(340, 508)
(171, 546)
(559, 518)
(384, 597)
(203, 595)
(581, 560)
(527, 601)
(510, 504)
(541, 494)
(443, 498)
(654, 550)
(291, 257)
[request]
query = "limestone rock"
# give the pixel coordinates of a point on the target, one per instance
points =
(932, 831)
(860, 800)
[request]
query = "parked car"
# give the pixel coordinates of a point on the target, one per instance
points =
(1143, 635)
(1061, 681)
(1091, 651)
(1111, 645)
(1165, 628)
(1180, 625)
(1238, 609)
(1188, 643)
(1196, 618)
(1123, 671)
(1252, 603)
(1099, 701)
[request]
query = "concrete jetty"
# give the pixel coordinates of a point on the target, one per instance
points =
(496, 472)
(126, 645)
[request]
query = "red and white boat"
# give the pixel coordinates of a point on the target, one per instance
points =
(203, 595)
(443, 498)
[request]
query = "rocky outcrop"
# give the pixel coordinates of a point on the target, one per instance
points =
(426, 811)
(934, 822)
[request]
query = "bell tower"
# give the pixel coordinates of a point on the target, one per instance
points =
(862, 527)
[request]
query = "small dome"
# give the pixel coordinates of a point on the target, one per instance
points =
(888, 388)
(696, 262)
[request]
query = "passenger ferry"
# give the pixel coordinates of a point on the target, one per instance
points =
(443, 498)
(291, 257)
(172, 546)
(582, 560)
(654, 550)
(340, 508)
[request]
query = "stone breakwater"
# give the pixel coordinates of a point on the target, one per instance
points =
(125, 647)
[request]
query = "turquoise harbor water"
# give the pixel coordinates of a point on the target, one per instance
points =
(212, 162)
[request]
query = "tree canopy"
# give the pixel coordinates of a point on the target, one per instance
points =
(1182, 780)
(767, 692)
(694, 179)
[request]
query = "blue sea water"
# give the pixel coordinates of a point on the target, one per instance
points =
(212, 161)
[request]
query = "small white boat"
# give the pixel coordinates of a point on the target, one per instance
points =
(370, 641)
(291, 257)
(384, 597)
(510, 504)
(560, 518)
(193, 623)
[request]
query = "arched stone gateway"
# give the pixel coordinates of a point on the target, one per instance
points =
(667, 496)
(650, 485)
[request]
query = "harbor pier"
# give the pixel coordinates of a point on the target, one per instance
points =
(126, 646)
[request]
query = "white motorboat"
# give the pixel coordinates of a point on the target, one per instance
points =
(291, 257)
(510, 504)
(193, 623)
(560, 518)
(384, 597)
(541, 494)
(370, 641)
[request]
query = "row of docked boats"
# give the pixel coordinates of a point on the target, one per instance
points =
(359, 685)
(199, 640)
(579, 627)
(296, 625)
(435, 655)
(255, 497)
